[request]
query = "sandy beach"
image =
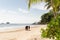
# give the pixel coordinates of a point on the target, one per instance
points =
(22, 34)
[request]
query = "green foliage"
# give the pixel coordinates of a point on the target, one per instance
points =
(46, 18)
(53, 29)
(44, 33)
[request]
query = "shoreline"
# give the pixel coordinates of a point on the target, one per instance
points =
(7, 29)
(22, 34)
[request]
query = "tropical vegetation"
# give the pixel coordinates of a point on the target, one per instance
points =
(53, 26)
(46, 18)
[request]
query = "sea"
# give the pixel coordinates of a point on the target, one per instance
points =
(10, 26)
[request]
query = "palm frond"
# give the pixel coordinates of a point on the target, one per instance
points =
(48, 3)
(48, 6)
(30, 2)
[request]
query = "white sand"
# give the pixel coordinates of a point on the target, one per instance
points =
(22, 34)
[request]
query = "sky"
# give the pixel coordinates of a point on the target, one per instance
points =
(16, 11)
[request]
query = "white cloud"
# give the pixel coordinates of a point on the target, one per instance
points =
(23, 10)
(15, 16)
(7, 15)
(40, 7)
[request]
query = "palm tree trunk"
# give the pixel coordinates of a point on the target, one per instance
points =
(55, 14)
(54, 9)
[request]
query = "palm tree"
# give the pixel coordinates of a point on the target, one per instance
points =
(49, 3)
(52, 31)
